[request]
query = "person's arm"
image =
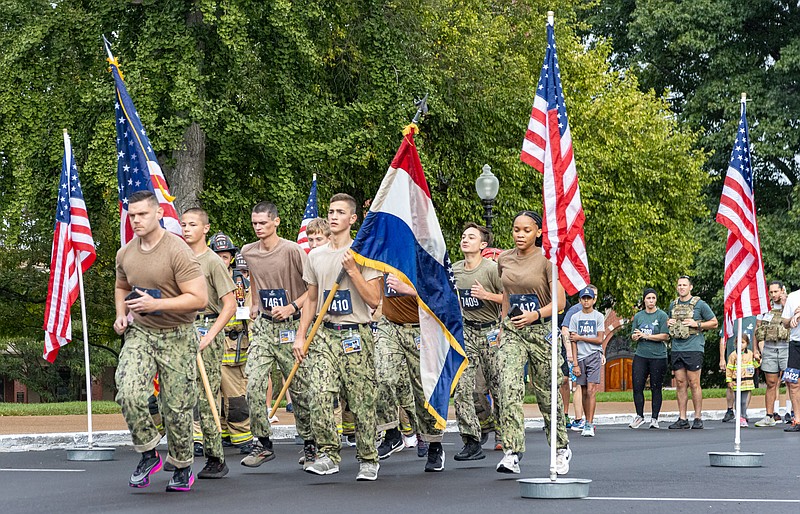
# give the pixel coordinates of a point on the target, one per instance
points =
(307, 312)
(722, 363)
(370, 291)
(225, 314)
(283, 312)
(193, 297)
(121, 289)
(479, 292)
(398, 285)
(576, 369)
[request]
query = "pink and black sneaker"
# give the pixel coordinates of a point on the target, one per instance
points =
(182, 480)
(150, 463)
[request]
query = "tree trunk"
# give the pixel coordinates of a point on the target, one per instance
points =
(186, 178)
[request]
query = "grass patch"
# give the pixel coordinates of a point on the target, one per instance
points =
(57, 409)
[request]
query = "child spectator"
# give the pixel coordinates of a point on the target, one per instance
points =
(586, 333)
(749, 365)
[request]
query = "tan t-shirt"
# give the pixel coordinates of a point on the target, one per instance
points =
(486, 273)
(218, 280)
(160, 270)
(324, 265)
(278, 269)
(525, 274)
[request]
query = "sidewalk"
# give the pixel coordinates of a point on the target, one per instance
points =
(24, 433)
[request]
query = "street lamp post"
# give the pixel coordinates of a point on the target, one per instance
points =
(487, 186)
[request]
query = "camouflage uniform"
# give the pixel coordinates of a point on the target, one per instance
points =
(172, 353)
(271, 344)
(235, 416)
(392, 374)
(212, 360)
(353, 375)
(516, 347)
(482, 355)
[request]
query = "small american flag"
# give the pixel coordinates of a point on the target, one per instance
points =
(72, 237)
(137, 165)
(309, 214)
(547, 147)
(745, 286)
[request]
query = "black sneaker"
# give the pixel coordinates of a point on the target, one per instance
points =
(484, 438)
(471, 451)
(198, 449)
(422, 447)
(777, 417)
(226, 443)
(181, 481)
(435, 458)
(214, 468)
(794, 427)
(680, 424)
(150, 463)
(309, 453)
(787, 418)
(729, 415)
(392, 443)
(246, 448)
(697, 424)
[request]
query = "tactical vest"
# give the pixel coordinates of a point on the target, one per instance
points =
(773, 330)
(680, 312)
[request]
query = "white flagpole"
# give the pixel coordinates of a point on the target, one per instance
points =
(554, 341)
(737, 440)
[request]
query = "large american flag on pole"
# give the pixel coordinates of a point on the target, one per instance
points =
(72, 244)
(547, 147)
(309, 214)
(137, 165)
(745, 286)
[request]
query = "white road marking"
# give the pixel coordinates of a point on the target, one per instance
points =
(43, 470)
(737, 500)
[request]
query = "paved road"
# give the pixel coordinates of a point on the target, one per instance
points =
(652, 465)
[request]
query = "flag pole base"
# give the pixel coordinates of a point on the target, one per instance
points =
(94, 453)
(560, 488)
(736, 459)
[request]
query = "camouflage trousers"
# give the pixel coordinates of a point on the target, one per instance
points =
(351, 374)
(270, 344)
(486, 407)
(395, 396)
(483, 357)
(235, 417)
(204, 427)
(171, 353)
(398, 360)
(516, 347)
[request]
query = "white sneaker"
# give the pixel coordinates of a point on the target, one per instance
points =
(509, 464)
(768, 421)
(323, 466)
(410, 441)
(636, 422)
(654, 423)
(588, 430)
(563, 456)
(368, 471)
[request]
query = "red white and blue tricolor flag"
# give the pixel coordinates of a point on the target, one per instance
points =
(401, 235)
(73, 245)
(309, 214)
(547, 147)
(137, 165)
(746, 291)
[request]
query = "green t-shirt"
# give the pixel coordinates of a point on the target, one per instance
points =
(472, 308)
(696, 342)
(651, 323)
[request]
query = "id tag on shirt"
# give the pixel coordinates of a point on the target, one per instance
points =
(341, 304)
(242, 313)
(491, 338)
(287, 336)
(526, 302)
(767, 317)
(750, 370)
(791, 375)
(202, 331)
(418, 342)
(351, 345)
(272, 298)
(549, 338)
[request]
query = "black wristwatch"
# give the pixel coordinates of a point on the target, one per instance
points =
(296, 308)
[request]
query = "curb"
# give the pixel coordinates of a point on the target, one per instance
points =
(42, 442)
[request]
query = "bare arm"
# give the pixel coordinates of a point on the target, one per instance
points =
(225, 314)
(121, 289)
(193, 297)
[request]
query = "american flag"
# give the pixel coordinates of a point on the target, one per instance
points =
(745, 286)
(137, 166)
(72, 235)
(309, 214)
(547, 147)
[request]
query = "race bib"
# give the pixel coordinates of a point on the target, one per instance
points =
(469, 302)
(526, 302)
(791, 375)
(491, 338)
(373, 325)
(351, 344)
(155, 293)
(341, 304)
(272, 298)
(388, 291)
(287, 336)
(587, 327)
(646, 330)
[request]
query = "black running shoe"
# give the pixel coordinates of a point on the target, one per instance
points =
(198, 449)
(214, 468)
(484, 438)
(794, 427)
(435, 458)
(787, 418)
(181, 481)
(150, 463)
(697, 424)
(392, 443)
(681, 424)
(729, 415)
(471, 451)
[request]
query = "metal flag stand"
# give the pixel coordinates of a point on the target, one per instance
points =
(737, 458)
(553, 486)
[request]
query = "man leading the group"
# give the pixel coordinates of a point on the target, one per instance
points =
(160, 282)
(689, 317)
